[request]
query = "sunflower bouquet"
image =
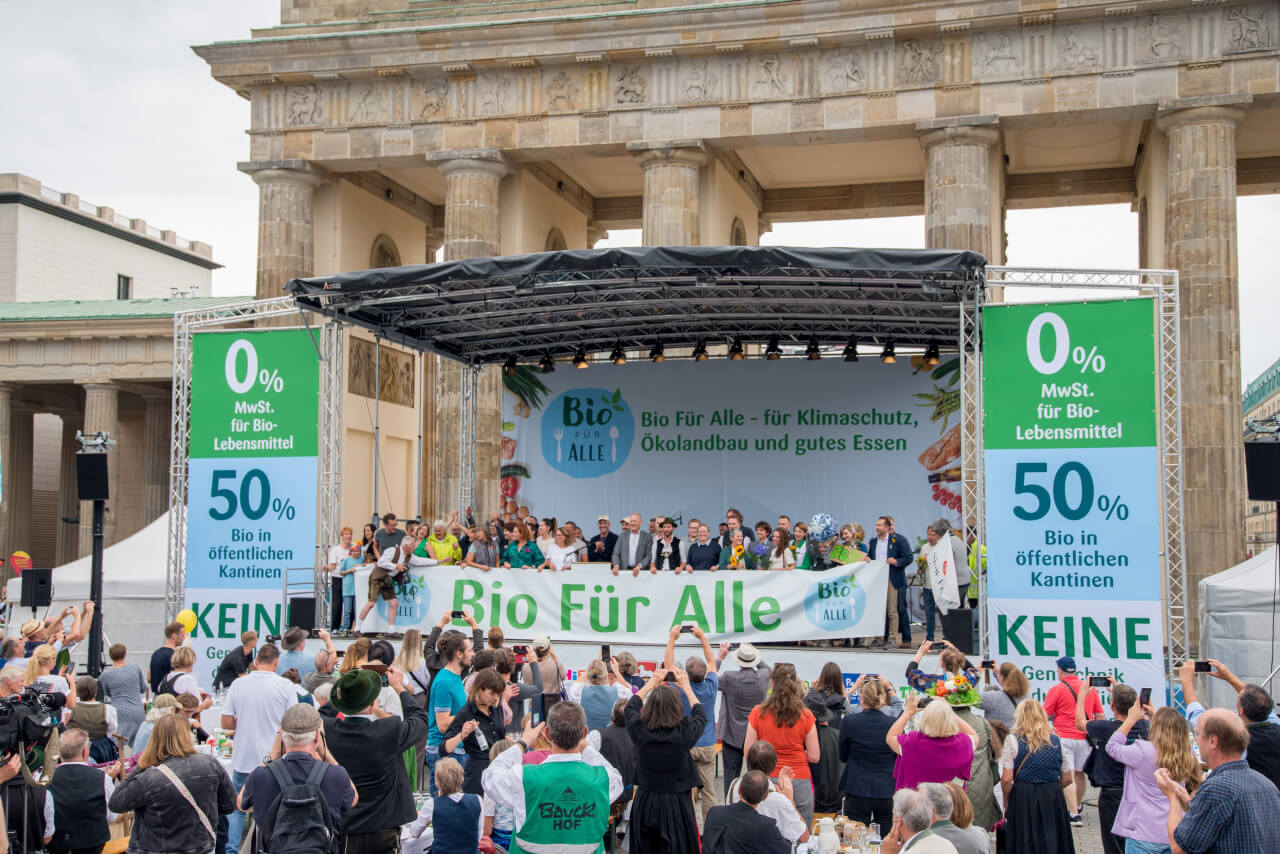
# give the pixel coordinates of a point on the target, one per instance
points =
(736, 558)
(956, 689)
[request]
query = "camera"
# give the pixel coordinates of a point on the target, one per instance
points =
(27, 720)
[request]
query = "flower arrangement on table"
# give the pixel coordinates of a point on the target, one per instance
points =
(956, 689)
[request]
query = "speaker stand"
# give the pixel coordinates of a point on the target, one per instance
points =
(95, 587)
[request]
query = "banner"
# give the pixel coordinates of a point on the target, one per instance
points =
(251, 483)
(691, 439)
(589, 603)
(941, 563)
(1072, 490)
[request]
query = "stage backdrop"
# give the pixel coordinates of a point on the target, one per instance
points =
(589, 603)
(687, 439)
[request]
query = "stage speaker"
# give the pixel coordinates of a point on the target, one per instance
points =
(302, 613)
(960, 627)
(37, 588)
(1262, 468)
(91, 477)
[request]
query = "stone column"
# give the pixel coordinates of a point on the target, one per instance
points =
(156, 408)
(672, 174)
(963, 185)
(473, 179)
(101, 409)
(286, 239)
(18, 479)
(1200, 242)
(68, 545)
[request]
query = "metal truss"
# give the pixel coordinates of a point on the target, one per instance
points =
(329, 496)
(1162, 285)
(972, 472)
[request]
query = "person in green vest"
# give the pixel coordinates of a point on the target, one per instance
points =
(561, 805)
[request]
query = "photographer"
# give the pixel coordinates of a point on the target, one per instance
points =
(13, 689)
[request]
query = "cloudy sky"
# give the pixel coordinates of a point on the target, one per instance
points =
(107, 100)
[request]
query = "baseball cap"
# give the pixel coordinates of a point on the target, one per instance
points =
(746, 655)
(603, 518)
(300, 719)
(1066, 663)
(542, 642)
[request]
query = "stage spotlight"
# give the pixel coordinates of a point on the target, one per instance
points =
(617, 356)
(851, 350)
(580, 359)
(887, 354)
(735, 350)
(811, 352)
(509, 366)
(773, 352)
(931, 355)
(548, 364)
(700, 352)
(655, 355)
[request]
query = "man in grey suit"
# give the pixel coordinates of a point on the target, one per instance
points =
(634, 548)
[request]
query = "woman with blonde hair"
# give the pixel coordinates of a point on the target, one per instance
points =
(602, 688)
(175, 794)
(40, 673)
(939, 751)
(355, 655)
(1144, 810)
(784, 721)
(1034, 770)
(561, 553)
(164, 705)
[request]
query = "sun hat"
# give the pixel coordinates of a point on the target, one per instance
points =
(30, 627)
(300, 719)
(1066, 664)
(355, 691)
(542, 642)
(166, 701)
(746, 655)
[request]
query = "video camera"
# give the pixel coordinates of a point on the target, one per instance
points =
(27, 719)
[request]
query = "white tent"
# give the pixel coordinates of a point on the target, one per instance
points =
(133, 586)
(1239, 617)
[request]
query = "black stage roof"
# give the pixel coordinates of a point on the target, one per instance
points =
(484, 310)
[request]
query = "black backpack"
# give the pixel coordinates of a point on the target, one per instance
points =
(166, 684)
(301, 821)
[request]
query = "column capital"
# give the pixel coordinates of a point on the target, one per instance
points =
(292, 170)
(1203, 108)
(960, 130)
(98, 384)
(485, 161)
(681, 152)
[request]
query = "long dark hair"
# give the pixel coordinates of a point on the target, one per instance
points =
(830, 679)
(786, 698)
(662, 709)
(781, 548)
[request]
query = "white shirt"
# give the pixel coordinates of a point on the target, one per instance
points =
(390, 558)
(882, 550)
(186, 684)
(633, 546)
(778, 807)
(418, 836)
(389, 701)
(658, 545)
(257, 700)
(107, 788)
(113, 720)
(337, 555)
(503, 780)
(561, 557)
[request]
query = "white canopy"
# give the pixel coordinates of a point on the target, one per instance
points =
(133, 587)
(1238, 622)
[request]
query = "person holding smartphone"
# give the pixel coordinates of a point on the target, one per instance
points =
(1108, 773)
(951, 661)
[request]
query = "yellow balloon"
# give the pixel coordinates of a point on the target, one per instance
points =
(188, 619)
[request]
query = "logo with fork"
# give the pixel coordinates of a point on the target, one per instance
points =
(587, 432)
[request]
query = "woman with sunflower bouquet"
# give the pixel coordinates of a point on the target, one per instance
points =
(737, 555)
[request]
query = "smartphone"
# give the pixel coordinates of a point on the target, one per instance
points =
(1144, 696)
(341, 653)
(604, 653)
(686, 630)
(733, 646)
(988, 664)
(938, 646)
(520, 649)
(870, 676)
(671, 677)
(1099, 682)
(1203, 667)
(458, 615)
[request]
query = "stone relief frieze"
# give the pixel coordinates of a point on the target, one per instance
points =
(393, 377)
(495, 94)
(697, 82)
(997, 55)
(844, 71)
(769, 80)
(630, 85)
(918, 62)
(1249, 28)
(431, 97)
(1162, 36)
(1079, 47)
(305, 106)
(369, 104)
(562, 93)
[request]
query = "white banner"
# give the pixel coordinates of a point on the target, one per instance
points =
(588, 603)
(941, 561)
(685, 440)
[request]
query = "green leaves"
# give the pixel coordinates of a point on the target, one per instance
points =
(613, 400)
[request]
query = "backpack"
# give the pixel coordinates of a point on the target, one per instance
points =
(167, 683)
(302, 823)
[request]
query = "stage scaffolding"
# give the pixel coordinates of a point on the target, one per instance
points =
(470, 319)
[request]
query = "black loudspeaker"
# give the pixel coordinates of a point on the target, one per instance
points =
(1262, 468)
(91, 477)
(959, 627)
(302, 613)
(37, 588)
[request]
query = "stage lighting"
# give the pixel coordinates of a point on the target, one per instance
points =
(580, 359)
(735, 350)
(655, 355)
(851, 350)
(617, 356)
(548, 364)
(700, 352)
(773, 352)
(931, 355)
(509, 366)
(811, 352)
(887, 354)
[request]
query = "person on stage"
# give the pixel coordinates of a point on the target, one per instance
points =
(600, 549)
(634, 548)
(702, 555)
(894, 550)
(666, 549)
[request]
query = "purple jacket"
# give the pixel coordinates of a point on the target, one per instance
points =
(1144, 809)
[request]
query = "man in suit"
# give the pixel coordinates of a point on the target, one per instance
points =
(371, 750)
(912, 816)
(894, 550)
(738, 828)
(634, 548)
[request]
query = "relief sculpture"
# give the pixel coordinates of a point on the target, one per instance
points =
(394, 376)
(1164, 37)
(306, 106)
(769, 77)
(631, 86)
(999, 55)
(1073, 53)
(699, 84)
(843, 72)
(561, 93)
(1249, 29)
(435, 97)
(370, 106)
(918, 62)
(495, 90)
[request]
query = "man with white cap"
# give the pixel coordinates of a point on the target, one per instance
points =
(600, 549)
(744, 687)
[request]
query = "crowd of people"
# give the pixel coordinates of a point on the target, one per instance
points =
(523, 541)
(459, 742)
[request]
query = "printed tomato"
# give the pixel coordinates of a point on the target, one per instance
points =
(509, 486)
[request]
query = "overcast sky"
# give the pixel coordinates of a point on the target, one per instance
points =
(106, 100)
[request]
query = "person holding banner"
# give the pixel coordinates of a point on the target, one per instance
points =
(780, 555)
(521, 553)
(806, 552)
(703, 555)
(736, 555)
(634, 548)
(894, 550)
(666, 552)
(562, 554)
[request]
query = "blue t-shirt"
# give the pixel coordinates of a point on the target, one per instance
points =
(447, 696)
(297, 659)
(349, 581)
(705, 691)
